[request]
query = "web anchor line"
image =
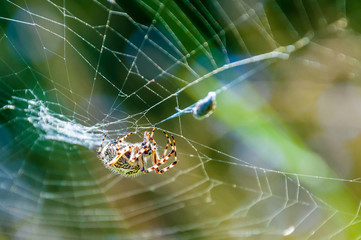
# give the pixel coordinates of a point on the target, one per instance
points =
(204, 107)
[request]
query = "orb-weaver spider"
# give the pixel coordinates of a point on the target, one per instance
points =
(128, 158)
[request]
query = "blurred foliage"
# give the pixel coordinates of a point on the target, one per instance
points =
(285, 136)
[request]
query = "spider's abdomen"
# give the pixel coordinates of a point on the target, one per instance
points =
(123, 167)
(108, 153)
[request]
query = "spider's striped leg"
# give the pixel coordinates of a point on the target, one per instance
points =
(174, 149)
(141, 162)
(120, 140)
(164, 160)
(154, 155)
(168, 143)
(119, 154)
(146, 137)
(154, 152)
(101, 144)
(145, 148)
(151, 135)
(139, 153)
(155, 158)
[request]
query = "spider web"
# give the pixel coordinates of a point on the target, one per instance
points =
(278, 159)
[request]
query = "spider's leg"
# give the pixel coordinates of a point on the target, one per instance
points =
(155, 160)
(146, 137)
(119, 154)
(151, 135)
(101, 144)
(155, 157)
(164, 160)
(145, 148)
(154, 152)
(138, 154)
(141, 162)
(174, 148)
(120, 140)
(168, 143)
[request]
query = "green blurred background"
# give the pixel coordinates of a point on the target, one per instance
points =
(278, 159)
